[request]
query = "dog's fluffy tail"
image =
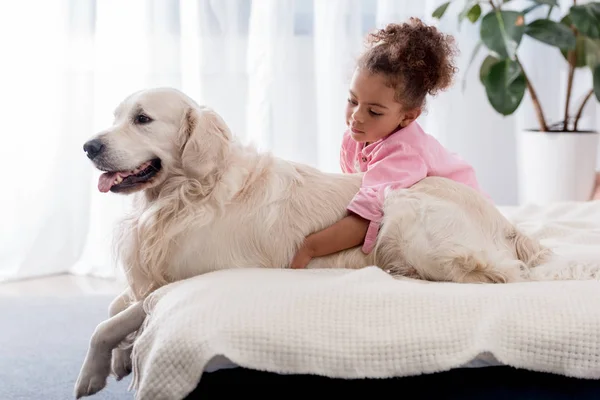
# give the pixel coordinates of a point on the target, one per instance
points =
(530, 250)
(484, 267)
(493, 265)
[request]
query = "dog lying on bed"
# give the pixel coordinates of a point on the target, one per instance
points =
(205, 202)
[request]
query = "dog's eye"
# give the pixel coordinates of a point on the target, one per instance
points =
(142, 119)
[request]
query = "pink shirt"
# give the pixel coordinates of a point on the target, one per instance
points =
(397, 161)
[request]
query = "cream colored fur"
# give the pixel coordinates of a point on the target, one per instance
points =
(218, 204)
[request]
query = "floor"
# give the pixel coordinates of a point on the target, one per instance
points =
(45, 328)
(61, 286)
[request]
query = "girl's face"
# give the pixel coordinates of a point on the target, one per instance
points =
(372, 113)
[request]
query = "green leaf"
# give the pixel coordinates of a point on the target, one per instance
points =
(502, 31)
(592, 52)
(465, 11)
(597, 82)
(552, 33)
(439, 12)
(579, 47)
(505, 86)
(587, 49)
(474, 13)
(586, 19)
(553, 3)
(486, 66)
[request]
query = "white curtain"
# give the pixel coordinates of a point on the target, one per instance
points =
(277, 70)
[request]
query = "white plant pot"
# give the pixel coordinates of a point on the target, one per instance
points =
(556, 166)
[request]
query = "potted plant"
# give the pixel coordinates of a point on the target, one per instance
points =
(556, 160)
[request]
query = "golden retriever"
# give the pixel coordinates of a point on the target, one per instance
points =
(206, 202)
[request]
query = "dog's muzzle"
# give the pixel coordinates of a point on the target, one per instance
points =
(93, 148)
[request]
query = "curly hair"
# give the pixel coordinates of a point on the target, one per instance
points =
(416, 59)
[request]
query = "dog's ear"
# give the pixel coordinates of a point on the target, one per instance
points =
(205, 142)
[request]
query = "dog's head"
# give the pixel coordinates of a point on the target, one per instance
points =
(156, 135)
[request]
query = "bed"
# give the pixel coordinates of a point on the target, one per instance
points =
(362, 328)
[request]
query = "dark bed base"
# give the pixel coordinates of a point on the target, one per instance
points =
(488, 383)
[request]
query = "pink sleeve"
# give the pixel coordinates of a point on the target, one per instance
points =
(400, 168)
(343, 160)
(344, 166)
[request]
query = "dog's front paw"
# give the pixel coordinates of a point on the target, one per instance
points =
(121, 362)
(92, 378)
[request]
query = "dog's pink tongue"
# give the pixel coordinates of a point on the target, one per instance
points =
(106, 181)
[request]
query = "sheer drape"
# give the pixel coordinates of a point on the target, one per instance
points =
(277, 70)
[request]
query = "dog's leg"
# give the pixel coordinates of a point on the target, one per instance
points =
(121, 358)
(120, 303)
(108, 334)
(121, 355)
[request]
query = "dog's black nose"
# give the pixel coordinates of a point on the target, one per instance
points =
(93, 148)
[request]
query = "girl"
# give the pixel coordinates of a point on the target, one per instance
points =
(387, 93)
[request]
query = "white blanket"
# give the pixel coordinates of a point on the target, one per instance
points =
(355, 324)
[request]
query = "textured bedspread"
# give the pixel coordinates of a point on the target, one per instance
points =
(364, 323)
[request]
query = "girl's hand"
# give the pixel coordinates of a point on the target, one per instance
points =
(302, 257)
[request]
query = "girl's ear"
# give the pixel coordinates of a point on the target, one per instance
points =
(410, 116)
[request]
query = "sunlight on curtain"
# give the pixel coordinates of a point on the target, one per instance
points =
(276, 70)
(38, 226)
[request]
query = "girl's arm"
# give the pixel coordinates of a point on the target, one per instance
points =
(346, 233)
(397, 166)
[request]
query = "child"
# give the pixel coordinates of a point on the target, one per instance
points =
(387, 94)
